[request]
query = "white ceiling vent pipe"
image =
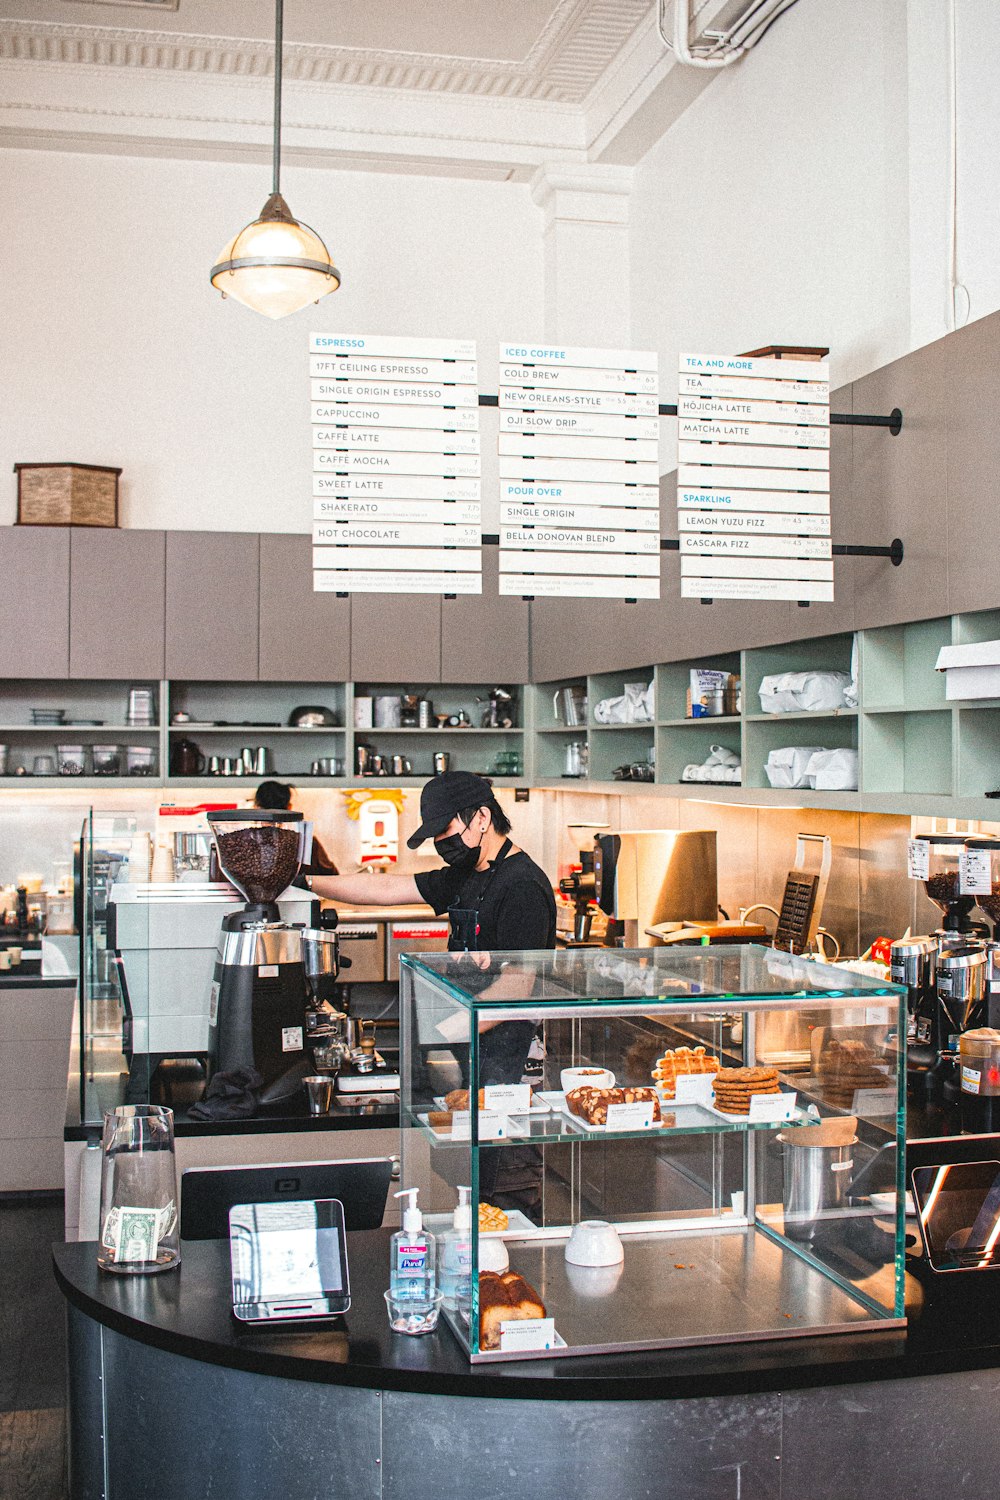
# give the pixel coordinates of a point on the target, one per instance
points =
(723, 45)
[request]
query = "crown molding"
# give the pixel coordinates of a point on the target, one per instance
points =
(563, 65)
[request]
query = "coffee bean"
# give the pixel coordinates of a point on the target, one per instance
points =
(261, 861)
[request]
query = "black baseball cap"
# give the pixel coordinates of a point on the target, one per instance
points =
(445, 796)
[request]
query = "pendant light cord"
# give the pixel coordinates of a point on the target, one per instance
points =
(279, 14)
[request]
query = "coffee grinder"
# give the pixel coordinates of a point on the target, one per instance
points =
(943, 882)
(257, 1011)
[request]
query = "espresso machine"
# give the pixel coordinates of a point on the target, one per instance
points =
(648, 877)
(261, 983)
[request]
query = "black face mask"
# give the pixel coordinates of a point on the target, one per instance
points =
(456, 852)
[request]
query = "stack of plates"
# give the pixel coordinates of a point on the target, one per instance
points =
(47, 716)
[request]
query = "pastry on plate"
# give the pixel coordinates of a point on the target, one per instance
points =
(507, 1298)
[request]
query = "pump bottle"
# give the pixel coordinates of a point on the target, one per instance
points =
(456, 1255)
(412, 1272)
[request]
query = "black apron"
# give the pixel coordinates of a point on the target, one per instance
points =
(464, 920)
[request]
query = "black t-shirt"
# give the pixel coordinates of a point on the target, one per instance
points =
(516, 906)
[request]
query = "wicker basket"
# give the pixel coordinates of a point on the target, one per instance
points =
(66, 495)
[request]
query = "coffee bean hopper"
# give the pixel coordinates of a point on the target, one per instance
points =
(260, 986)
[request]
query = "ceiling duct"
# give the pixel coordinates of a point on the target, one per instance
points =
(735, 29)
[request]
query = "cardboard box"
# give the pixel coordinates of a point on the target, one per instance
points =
(971, 671)
(66, 495)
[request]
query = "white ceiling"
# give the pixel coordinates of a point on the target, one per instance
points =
(494, 88)
(541, 49)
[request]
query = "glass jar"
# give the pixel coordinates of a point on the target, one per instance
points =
(140, 760)
(107, 760)
(139, 1224)
(72, 759)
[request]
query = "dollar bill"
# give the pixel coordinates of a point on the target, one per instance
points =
(135, 1234)
(110, 1231)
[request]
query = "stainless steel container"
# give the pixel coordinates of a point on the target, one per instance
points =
(961, 990)
(913, 962)
(815, 1183)
(192, 852)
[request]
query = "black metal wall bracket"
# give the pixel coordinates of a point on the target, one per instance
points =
(894, 421)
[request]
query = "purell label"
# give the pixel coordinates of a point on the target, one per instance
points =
(411, 1259)
(970, 1080)
(918, 859)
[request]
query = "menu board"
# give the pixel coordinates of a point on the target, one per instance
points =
(753, 478)
(579, 472)
(396, 465)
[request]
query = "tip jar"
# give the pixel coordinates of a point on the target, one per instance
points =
(139, 1223)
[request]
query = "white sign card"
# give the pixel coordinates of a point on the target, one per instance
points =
(578, 458)
(918, 859)
(527, 1333)
(395, 440)
(975, 872)
(508, 1098)
(694, 1088)
(772, 1106)
(492, 1125)
(637, 1116)
(753, 459)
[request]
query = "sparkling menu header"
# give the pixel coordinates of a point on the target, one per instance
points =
(396, 465)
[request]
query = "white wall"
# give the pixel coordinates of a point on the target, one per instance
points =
(775, 209)
(117, 351)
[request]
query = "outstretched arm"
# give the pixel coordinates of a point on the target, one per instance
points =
(366, 890)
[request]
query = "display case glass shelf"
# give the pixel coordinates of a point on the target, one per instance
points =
(675, 1203)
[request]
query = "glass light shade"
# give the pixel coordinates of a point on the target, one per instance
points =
(275, 266)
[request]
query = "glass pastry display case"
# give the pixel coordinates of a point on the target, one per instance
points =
(667, 1180)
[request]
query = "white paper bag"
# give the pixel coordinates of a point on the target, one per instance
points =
(804, 692)
(834, 771)
(788, 765)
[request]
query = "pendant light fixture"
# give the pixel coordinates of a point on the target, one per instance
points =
(276, 265)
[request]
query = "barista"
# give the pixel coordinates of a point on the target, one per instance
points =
(275, 796)
(496, 896)
(497, 900)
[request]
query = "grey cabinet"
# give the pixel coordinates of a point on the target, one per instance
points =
(116, 584)
(967, 397)
(484, 638)
(34, 600)
(396, 638)
(212, 606)
(302, 633)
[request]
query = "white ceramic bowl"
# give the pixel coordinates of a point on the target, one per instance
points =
(586, 1078)
(594, 1242)
(493, 1256)
(594, 1281)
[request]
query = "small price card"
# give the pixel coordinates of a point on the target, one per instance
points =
(975, 875)
(508, 1098)
(694, 1088)
(874, 1102)
(492, 1125)
(527, 1333)
(772, 1106)
(630, 1116)
(918, 857)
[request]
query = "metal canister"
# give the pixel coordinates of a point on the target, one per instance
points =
(961, 991)
(425, 713)
(913, 963)
(979, 1052)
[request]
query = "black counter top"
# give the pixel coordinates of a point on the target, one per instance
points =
(953, 1326)
(9, 980)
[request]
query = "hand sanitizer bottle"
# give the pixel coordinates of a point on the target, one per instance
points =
(412, 1274)
(456, 1255)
